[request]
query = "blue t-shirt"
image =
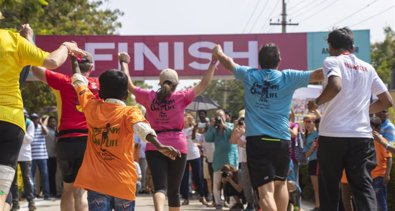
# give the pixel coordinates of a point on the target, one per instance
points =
(309, 142)
(387, 130)
(267, 99)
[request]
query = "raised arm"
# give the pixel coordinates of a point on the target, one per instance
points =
(203, 84)
(56, 58)
(74, 65)
(39, 73)
(317, 75)
(225, 60)
(124, 60)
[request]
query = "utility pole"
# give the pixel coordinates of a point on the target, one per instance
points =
(284, 22)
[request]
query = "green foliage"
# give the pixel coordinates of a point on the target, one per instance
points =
(228, 93)
(61, 17)
(37, 96)
(383, 55)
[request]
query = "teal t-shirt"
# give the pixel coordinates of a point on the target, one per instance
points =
(310, 138)
(268, 97)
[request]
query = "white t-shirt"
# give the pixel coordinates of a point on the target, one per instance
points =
(208, 148)
(242, 151)
(347, 114)
(25, 153)
(193, 149)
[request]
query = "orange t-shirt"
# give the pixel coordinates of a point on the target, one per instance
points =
(108, 166)
(382, 155)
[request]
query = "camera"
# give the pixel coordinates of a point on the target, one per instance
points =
(240, 121)
(225, 174)
(218, 121)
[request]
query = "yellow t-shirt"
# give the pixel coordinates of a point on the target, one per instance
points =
(108, 166)
(15, 53)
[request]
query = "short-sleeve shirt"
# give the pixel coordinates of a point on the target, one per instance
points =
(387, 130)
(310, 138)
(72, 121)
(166, 116)
(15, 53)
(347, 114)
(382, 155)
(108, 166)
(268, 97)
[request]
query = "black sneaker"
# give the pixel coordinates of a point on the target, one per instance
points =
(15, 205)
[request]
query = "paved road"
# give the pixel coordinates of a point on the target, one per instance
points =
(143, 203)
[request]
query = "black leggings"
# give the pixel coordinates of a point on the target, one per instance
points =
(167, 175)
(10, 143)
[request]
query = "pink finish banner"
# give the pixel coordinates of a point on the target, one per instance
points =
(190, 55)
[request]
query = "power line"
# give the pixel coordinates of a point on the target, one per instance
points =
(264, 24)
(356, 12)
(308, 8)
(320, 10)
(252, 14)
(377, 14)
(298, 5)
(259, 16)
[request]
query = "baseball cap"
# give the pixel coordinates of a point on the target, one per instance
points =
(25, 113)
(34, 116)
(168, 75)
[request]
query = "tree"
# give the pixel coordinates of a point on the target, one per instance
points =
(383, 55)
(60, 17)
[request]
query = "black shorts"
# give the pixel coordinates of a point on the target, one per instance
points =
(10, 143)
(70, 153)
(313, 168)
(267, 160)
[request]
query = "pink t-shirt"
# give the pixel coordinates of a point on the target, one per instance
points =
(166, 116)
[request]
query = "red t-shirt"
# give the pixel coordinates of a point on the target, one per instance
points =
(72, 122)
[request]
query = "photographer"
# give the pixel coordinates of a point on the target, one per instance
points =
(219, 133)
(238, 137)
(232, 188)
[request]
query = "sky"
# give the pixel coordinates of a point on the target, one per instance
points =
(196, 17)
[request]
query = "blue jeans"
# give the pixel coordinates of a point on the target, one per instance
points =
(102, 202)
(43, 167)
(381, 193)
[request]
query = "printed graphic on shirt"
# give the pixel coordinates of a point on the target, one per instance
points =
(163, 107)
(266, 91)
(106, 138)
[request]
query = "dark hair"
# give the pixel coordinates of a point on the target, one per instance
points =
(52, 117)
(375, 122)
(113, 84)
(85, 66)
(202, 111)
(341, 39)
(165, 90)
(269, 56)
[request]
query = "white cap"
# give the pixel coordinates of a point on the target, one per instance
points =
(168, 75)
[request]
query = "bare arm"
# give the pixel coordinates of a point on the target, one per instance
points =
(317, 75)
(39, 72)
(384, 101)
(56, 58)
(331, 90)
(199, 89)
(74, 65)
(124, 60)
(225, 60)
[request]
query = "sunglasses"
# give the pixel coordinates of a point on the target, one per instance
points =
(309, 121)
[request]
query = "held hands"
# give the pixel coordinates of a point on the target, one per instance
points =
(73, 49)
(169, 151)
(216, 51)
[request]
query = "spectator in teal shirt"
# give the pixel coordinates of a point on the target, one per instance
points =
(225, 153)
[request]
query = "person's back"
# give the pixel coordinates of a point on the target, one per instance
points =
(109, 152)
(12, 51)
(347, 115)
